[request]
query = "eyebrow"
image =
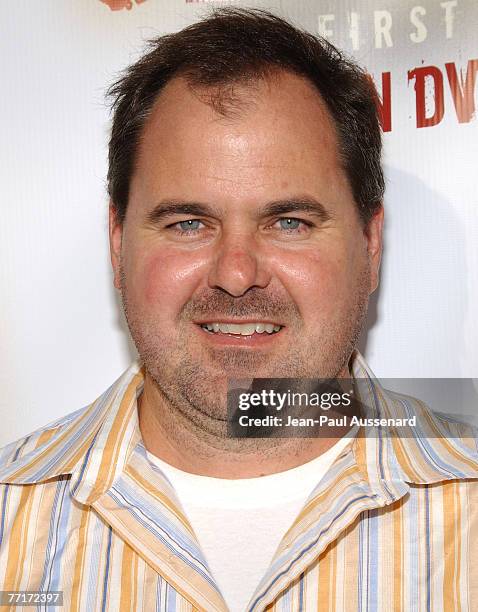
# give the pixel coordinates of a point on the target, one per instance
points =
(175, 207)
(305, 204)
(301, 204)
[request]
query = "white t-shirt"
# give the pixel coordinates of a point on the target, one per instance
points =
(240, 523)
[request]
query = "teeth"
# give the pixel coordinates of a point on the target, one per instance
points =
(242, 329)
(234, 328)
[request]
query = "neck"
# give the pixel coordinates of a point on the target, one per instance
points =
(168, 433)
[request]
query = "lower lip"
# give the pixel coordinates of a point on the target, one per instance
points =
(254, 340)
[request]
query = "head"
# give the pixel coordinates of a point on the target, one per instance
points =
(246, 189)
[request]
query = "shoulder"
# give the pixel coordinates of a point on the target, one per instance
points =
(459, 429)
(36, 440)
(438, 424)
(60, 446)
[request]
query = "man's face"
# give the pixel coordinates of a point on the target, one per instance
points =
(242, 219)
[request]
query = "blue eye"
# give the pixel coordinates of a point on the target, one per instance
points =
(289, 223)
(189, 225)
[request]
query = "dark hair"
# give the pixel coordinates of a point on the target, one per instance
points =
(239, 45)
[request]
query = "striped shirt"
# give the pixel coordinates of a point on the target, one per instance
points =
(393, 524)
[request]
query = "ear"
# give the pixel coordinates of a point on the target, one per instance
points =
(116, 236)
(373, 233)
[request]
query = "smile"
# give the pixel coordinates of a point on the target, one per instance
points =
(241, 329)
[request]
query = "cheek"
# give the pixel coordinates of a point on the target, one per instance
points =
(319, 280)
(313, 272)
(155, 278)
(164, 278)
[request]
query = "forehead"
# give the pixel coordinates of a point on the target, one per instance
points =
(276, 134)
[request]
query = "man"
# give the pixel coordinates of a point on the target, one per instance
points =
(245, 233)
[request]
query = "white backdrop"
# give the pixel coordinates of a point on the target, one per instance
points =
(63, 338)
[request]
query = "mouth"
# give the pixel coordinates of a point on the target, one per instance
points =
(239, 332)
(248, 328)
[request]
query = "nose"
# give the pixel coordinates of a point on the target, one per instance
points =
(238, 265)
